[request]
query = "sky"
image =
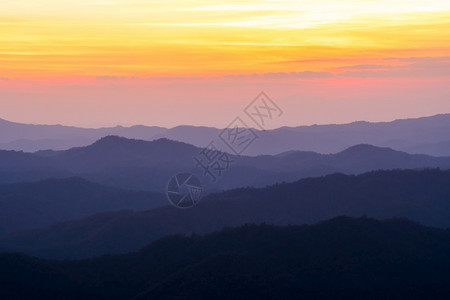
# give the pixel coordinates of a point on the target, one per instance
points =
(98, 63)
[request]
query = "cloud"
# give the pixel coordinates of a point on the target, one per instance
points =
(402, 67)
(4, 78)
(420, 59)
(176, 78)
(165, 78)
(323, 59)
(422, 68)
(113, 77)
(303, 74)
(365, 67)
(283, 75)
(242, 76)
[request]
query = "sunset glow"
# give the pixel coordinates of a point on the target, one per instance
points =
(49, 42)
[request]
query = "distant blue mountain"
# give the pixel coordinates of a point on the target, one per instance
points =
(31, 138)
(427, 135)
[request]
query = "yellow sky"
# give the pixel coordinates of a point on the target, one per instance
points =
(51, 38)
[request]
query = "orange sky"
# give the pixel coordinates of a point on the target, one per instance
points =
(101, 62)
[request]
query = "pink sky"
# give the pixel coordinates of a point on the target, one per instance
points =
(216, 101)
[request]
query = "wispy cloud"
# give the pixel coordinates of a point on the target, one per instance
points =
(365, 67)
(401, 67)
(420, 59)
(113, 77)
(283, 75)
(421, 67)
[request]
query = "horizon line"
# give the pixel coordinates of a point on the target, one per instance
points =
(218, 128)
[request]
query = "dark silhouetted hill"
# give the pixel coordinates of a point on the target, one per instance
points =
(343, 258)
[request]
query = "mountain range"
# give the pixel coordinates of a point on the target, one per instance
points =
(148, 165)
(422, 196)
(427, 135)
(342, 258)
(97, 196)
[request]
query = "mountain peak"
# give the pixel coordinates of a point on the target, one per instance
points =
(161, 145)
(112, 139)
(366, 148)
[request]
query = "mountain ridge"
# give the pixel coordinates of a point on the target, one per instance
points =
(395, 259)
(402, 134)
(29, 205)
(421, 196)
(148, 165)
